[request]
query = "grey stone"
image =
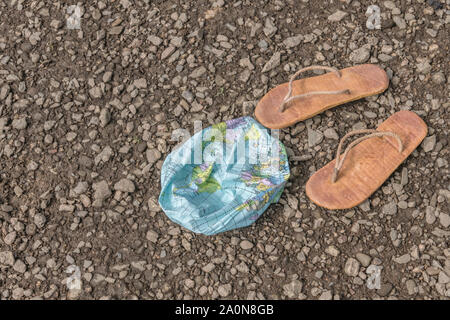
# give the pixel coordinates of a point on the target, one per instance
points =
(6, 258)
(152, 155)
(116, 30)
(246, 63)
(350, 116)
(246, 245)
(4, 91)
(189, 283)
(293, 289)
(10, 238)
(263, 44)
(242, 267)
(81, 187)
(389, 5)
(245, 75)
(443, 278)
(360, 55)
(430, 217)
(332, 250)
(404, 180)
(19, 266)
(125, 3)
(197, 73)
(384, 57)
(402, 204)
(66, 207)
(390, 208)
(95, 92)
(400, 22)
(156, 41)
(351, 267)
(209, 267)
(444, 219)
(365, 206)
(224, 290)
(314, 137)
(403, 259)
(32, 166)
(438, 77)
(364, 259)
(433, 33)
(140, 83)
(107, 76)
(105, 117)
(188, 96)
(70, 136)
(409, 16)
(125, 185)
(139, 265)
(152, 236)
(48, 125)
(17, 293)
(176, 41)
(337, 16)
(385, 289)
(429, 143)
(104, 156)
(269, 29)
(330, 133)
(167, 52)
(423, 67)
(326, 295)
(292, 42)
(120, 267)
(273, 62)
(39, 220)
(153, 205)
(359, 126)
(3, 122)
(101, 192)
(411, 286)
(20, 123)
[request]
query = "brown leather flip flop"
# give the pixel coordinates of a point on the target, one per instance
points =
(367, 162)
(301, 99)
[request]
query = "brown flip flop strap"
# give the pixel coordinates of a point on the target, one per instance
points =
(288, 97)
(372, 133)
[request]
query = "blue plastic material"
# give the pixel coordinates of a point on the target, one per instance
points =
(224, 177)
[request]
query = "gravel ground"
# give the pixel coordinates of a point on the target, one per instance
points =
(86, 118)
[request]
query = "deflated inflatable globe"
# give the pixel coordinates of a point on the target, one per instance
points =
(224, 177)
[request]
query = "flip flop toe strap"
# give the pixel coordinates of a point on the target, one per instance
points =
(370, 134)
(289, 97)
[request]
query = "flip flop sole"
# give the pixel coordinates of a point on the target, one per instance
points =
(367, 165)
(362, 81)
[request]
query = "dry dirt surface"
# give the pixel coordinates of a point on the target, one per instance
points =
(86, 121)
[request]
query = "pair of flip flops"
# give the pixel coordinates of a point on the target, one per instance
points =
(369, 160)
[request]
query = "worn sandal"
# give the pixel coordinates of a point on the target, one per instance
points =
(366, 163)
(301, 99)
